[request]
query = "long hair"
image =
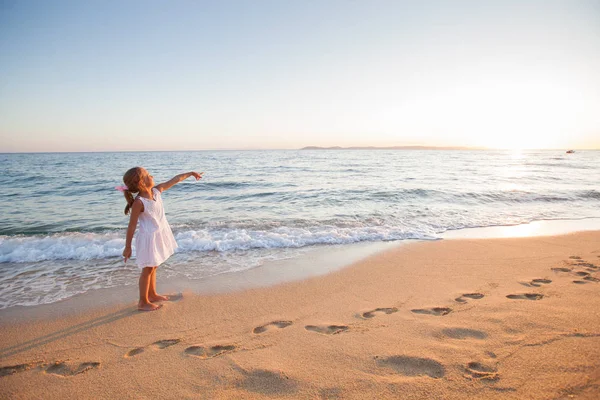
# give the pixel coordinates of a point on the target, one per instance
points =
(131, 179)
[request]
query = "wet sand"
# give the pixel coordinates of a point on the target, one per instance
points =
(452, 319)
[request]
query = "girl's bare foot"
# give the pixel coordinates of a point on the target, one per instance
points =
(157, 297)
(148, 307)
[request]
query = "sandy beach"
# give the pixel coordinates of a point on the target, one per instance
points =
(452, 319)
(337, 199)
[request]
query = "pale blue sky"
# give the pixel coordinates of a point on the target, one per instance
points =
(149, 75)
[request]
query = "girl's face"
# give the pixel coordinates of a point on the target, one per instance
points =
(147, 180)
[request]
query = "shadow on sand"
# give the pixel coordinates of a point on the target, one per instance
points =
(63, 333)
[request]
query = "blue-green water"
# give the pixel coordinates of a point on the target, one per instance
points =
(62, 225)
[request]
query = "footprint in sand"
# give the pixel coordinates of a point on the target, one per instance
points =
(437, 311)
(161, 344)
(475, 296)
(561, 269)
(586, 279)
(525, 296)
(62, 369)
(536, 282)
(210, 352)
(372, 313)
(464, 333)
(276, 324)
(327, 329)
(478, 370)
(575, 258)
(413, 366)
(134, 352)
(582, 273)
(13, 369)
(540, 281)
(587, 265)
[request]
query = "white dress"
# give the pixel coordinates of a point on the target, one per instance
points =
(154, 242)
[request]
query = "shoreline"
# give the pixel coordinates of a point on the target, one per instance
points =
(438, 319)
(316, 261)
(552, 227)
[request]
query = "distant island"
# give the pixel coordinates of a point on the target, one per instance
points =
(391, 148)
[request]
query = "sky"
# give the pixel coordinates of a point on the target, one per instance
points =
(198, 75)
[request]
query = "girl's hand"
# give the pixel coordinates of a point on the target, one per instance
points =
(127, 253)
(176, 179)
(196, 175)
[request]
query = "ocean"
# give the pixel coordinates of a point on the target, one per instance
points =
(62, 227)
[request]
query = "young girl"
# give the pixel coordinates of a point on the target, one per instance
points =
(154, 242)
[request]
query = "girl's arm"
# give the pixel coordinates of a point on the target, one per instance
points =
(136, 209)
(176, 179)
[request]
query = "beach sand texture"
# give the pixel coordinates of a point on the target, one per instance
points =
(451, 319)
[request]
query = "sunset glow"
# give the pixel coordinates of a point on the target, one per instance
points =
(190, 76)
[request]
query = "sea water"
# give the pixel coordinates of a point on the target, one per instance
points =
(62, 227)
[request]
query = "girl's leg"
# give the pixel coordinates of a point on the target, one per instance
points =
(145, 278)
(152, 294)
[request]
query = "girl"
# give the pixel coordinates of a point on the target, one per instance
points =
(154, 242)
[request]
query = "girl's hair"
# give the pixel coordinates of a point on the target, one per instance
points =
(132, 180)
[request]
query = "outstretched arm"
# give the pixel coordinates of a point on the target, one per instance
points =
(176, 179)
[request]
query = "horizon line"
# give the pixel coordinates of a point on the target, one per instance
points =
(414, 147)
